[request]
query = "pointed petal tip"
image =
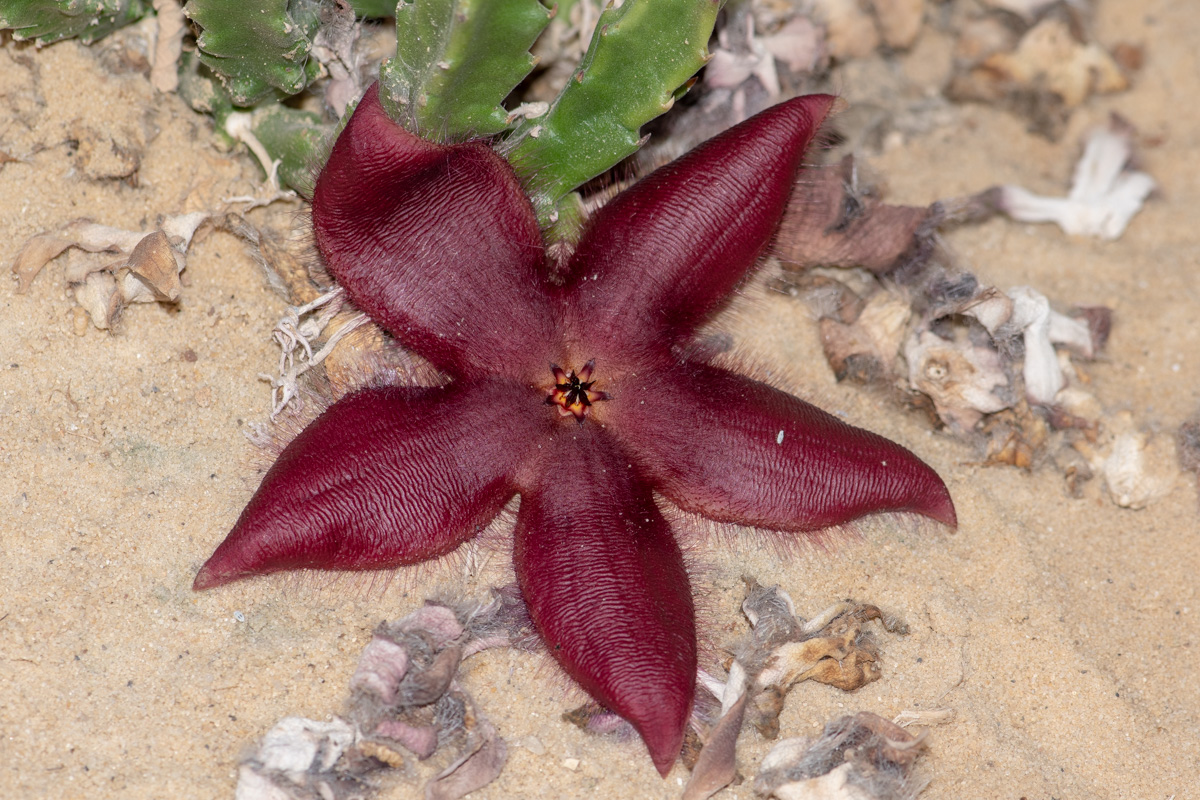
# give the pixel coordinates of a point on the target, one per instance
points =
(212, 575)
(927, 494)
(205, 579)
(939, 506)
(930, 497)
(664, 747)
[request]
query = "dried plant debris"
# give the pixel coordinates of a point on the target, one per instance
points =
(1107, 191)
(859, 757)
(837, 219)
(150, 263)
(783, 650)
(147, 272)
(405, 705)
(856, 29)
(170, 28)
(1188, 440)
(1041, 74)
(1000, 367)
(1140, 466)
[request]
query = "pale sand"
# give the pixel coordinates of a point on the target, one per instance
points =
(1063, 632)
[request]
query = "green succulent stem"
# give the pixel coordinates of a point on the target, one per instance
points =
(257, 48)
(640, 60)
(296, 139)
(456, 61)
(52, 20)
(374, 9)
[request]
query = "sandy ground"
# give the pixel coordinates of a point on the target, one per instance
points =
(1063, 632)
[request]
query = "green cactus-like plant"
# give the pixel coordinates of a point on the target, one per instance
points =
(374, 9)
(52, 20)
(257, 48)
(640, 60)
(296, 138)
(456, 61)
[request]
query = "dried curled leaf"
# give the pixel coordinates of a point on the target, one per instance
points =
(149, 273)
(832, 649)
(834, 219)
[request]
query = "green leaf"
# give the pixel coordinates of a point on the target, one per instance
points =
(257, 47)
(638, 62)
(52, 20)
(456, 61)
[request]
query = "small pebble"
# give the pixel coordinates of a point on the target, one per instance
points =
(571, 763)
(533, 745)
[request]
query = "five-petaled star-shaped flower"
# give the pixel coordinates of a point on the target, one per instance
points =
(568, 383)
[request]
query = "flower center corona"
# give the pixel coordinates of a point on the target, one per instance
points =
(573, 392)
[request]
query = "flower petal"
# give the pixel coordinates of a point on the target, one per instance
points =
(736, 450)
(606, 586)
(665, 253)
(384, 477)
(437, 243)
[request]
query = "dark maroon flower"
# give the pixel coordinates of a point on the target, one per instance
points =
(567, 384)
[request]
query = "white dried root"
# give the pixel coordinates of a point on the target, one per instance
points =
(1105, 194)
(732, 64)
(295, 332)
(240, 126)
(970, 376)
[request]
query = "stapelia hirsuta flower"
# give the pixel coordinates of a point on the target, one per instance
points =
(567, 385)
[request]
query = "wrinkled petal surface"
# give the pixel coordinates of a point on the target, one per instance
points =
(384, 477)
(606, 586)
(437, 243)
(660, 257)
(736, 450)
